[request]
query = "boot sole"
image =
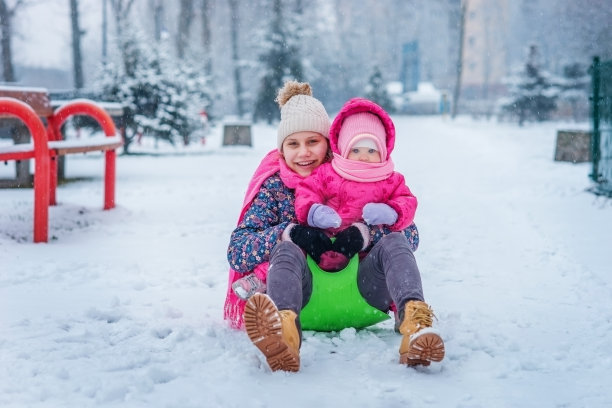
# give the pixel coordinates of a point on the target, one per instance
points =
(424, 349)
(263, 326)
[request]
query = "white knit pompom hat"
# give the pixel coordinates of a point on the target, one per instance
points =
(300, 112)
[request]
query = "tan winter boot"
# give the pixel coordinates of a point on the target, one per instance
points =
(274, 332)
(420, 344)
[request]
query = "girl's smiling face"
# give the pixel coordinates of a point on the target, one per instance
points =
(304, 151)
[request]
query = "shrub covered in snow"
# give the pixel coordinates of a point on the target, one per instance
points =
(163, 96)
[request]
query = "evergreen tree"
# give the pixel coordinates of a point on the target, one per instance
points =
(377, 92)
(163, 97)
(533, 92)
(281, 62)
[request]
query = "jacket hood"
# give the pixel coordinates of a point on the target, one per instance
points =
(357, 105)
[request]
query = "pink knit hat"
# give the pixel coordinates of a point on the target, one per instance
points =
(360, 126)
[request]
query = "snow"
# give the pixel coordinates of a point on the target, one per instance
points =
(7, 147)
(122, 308)
(84, 142)
(11, 88)
(426, 92)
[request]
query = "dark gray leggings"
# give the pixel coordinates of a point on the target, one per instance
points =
(388, 273)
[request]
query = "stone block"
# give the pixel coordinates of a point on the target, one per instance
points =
(573, 146)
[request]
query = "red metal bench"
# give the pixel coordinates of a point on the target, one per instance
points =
(48, 145)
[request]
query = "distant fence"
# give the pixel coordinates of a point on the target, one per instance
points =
(601, 113)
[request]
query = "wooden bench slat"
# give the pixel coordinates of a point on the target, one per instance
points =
(85, 149)
(37, 98)
(112, 108)
(63, 147)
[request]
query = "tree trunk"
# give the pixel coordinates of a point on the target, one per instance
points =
(158, 18)
(206, 38)
(104, 32)
(457, 91)
(121, 10)
(77, 59)
(184, 27)
(6, 32)
(235, 23)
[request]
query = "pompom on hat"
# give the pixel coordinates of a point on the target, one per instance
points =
(300, 111)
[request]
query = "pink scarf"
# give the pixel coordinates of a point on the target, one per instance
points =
(290, 178)
(271, 163)
(362, 172)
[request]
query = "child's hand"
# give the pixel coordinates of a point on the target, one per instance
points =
(379, 213)
(322, 216)
(350, 241)
(313, 241)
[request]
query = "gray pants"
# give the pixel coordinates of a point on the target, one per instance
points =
(388, 273)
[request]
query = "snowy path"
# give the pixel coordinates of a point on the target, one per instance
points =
(523, 261)
(123, 308)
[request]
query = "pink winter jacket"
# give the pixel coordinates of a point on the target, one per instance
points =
(348, 197)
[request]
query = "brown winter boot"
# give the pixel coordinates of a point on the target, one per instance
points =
(274, 332)
(420, 344)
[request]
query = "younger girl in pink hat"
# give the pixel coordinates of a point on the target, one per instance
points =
(359, 184)
(356, 191)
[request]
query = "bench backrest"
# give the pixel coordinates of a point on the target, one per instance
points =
(37, 98)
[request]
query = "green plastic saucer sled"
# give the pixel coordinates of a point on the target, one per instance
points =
(335, 302)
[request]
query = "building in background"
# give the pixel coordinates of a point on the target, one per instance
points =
(485, 61)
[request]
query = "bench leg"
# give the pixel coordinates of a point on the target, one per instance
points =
(52, 136)
(53, 180)
(109, 180)
(22, 167)
(41, 199)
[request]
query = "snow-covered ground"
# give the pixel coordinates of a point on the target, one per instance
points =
(123, 308)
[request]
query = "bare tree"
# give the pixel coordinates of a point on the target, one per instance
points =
(77, 58)
(6, 32)
(104, 32)
(121, 11)
(235, 23)
(158, 17)
(457, 92)
(184, 26)
(206, 11)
